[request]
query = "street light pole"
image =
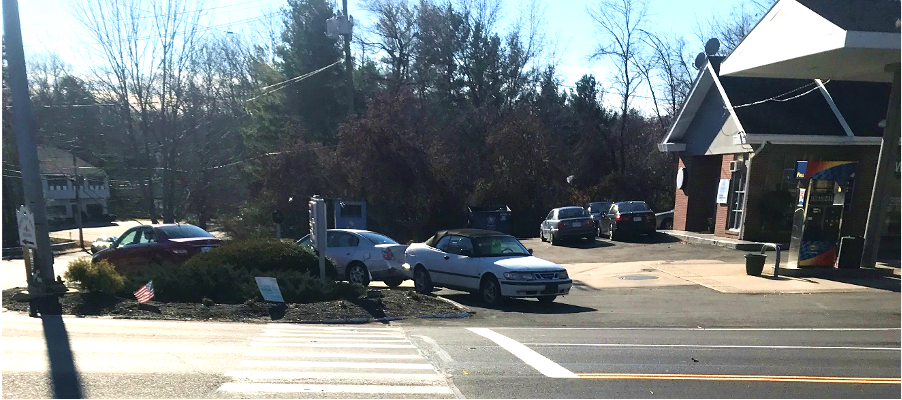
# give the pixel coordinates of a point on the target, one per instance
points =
(43, 293)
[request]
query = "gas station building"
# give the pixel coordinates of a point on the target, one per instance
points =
(786, 132)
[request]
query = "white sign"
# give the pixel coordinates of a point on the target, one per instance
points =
(269, 289)
(723, 189)
(25, 220)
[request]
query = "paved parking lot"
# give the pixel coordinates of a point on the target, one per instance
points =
(656, 247)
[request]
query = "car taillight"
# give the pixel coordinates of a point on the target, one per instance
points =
(387, 254)
(560, 224)
(618, 216)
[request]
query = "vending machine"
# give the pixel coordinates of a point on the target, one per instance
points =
(825, 193)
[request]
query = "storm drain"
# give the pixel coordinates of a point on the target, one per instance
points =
(637, 277)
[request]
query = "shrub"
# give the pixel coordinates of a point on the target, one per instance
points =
(226, 274)
(95, 277)
(262, 255)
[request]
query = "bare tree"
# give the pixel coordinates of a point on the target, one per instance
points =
(732, 28)
(146, 46)
(620, 23)
(395, 31)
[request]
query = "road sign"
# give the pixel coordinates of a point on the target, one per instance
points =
(269, 289)
(25, 220)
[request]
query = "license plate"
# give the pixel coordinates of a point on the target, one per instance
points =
(637, 219)
(205, 249)
(551, 288)
(575, 224)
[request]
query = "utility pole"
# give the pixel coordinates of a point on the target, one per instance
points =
(78, 184)
(44, 292)
(348, 63)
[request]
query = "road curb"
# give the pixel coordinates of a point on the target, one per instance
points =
(459, 306)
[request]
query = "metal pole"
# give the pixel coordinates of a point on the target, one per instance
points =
(348, 64)
(889, 153)
(279, 232)
(23, 125)
(81, 237)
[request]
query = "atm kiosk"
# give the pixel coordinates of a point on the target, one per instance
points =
(825, 194)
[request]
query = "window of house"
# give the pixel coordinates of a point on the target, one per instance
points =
(737, 196)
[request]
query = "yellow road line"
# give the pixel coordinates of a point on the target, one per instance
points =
(758, 378)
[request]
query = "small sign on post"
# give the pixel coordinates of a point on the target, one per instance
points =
(25, 220)
(269, 289)
(723, 190)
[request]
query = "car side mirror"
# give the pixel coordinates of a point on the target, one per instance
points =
(529, 250)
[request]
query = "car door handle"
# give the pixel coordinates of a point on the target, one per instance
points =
(445, 257)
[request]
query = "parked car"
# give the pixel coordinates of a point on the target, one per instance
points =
(145, 245)
(627, 218)
(361, 256)
(101, 243)
(596, 209)
(567, 223)
(664, 219)
(493, 264)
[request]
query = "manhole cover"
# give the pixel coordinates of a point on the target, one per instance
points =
(637, 277)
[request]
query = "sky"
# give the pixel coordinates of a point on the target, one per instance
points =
(48, 27)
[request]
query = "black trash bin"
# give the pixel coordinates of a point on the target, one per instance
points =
(754, 263)
(850, 250)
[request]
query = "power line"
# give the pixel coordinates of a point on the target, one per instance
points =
(777, 97)
(290, 81)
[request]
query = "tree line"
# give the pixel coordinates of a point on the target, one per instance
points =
(453, 105)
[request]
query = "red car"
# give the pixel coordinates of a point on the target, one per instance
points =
(144, 245)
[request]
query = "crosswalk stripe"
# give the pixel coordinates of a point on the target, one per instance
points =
(283, 375)
(330, 355)
(302, 339)
(343, 345)
(333, 364)
(336, 335)
(243, 387)
(319, 328)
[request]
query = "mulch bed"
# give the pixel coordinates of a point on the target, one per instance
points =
(393, 303)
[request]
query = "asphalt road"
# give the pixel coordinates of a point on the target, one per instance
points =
(657, 246)
(155, 359)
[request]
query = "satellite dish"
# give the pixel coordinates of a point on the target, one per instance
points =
(712, 46)
(700, 60)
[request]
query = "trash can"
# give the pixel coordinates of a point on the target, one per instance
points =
(850, 250)
(493, 218)
(754, 263)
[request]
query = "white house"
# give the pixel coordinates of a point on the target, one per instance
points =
(58, 171)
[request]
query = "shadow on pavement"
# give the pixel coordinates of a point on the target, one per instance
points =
(585, 244)
(531, 306)
(63, 373)
(652, 238)
(882, 283)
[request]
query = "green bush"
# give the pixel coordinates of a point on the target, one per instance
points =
(262, 255)
(226, 274)
(95, 277)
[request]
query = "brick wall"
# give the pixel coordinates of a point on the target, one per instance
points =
(694, 203)
(723, 210)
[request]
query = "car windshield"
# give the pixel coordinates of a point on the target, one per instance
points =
(498, 246)
(599, 207)
(377, 238)
(632, 207)
(565, 213)
(184, 232)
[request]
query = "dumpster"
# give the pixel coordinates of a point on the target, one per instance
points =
(850, 250)
(754, 263)
(493, 218)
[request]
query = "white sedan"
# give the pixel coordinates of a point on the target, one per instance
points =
(361, 256)
(492, 264)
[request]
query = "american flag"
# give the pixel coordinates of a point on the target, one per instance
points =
(145, 293)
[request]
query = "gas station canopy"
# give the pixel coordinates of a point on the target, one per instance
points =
(850, 40)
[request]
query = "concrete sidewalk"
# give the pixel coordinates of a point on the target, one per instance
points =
(716, 275)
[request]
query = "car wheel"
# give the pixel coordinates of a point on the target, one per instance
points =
(542, 235)
(667, 224)
(553, 239)
(422, 282)
(357, 273)
(546, 299)
(614, 235)
(393, 282)
(490, 290)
